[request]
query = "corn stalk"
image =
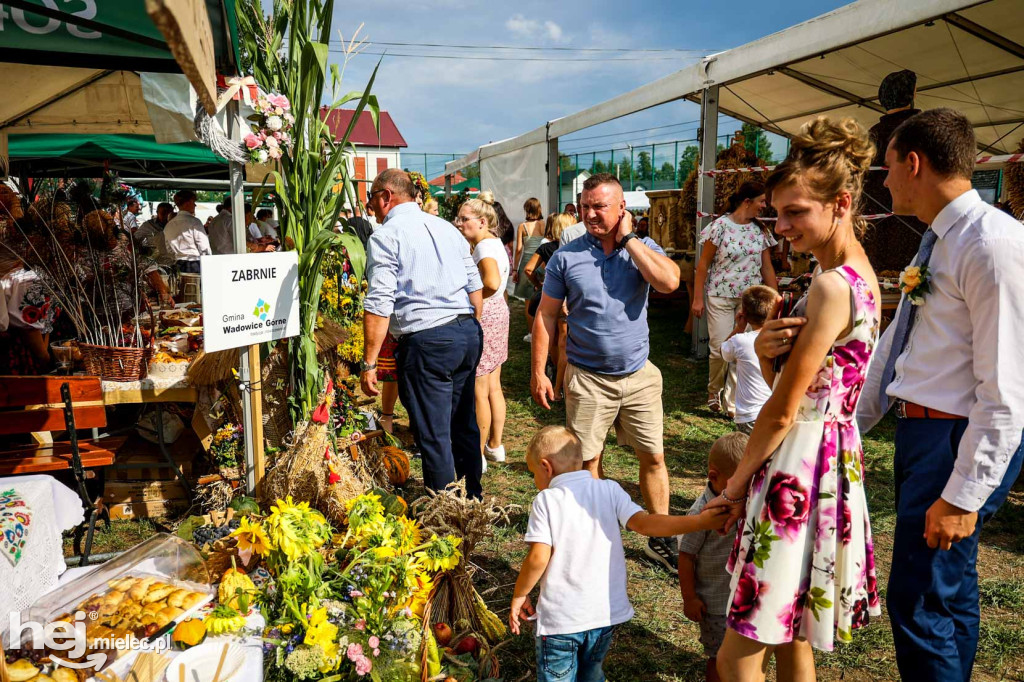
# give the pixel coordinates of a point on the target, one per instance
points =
(287, 52)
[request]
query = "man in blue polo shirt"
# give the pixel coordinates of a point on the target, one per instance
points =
(604, 278)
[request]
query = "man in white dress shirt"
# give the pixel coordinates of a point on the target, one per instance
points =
(185, 237)
(221, 234)
(953, 367)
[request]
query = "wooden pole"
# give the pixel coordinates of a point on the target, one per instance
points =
(259, 462)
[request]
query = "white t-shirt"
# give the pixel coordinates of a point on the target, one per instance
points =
(493, 248)
(751, 390)
(222, 234)
(572, 232)
(584, 586)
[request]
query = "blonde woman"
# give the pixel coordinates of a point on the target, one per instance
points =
(529, 235)
(430, 206)
(534, 270)
(478, 223)
(803, 566)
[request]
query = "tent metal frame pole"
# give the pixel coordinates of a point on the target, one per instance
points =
(708, 135)
(238, 232)
(554, 177)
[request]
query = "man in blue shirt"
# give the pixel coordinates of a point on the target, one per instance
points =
(425, 288)
(604, 277)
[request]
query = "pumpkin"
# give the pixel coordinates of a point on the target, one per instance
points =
(396, 464)
(235, 587)
(189, 633)
(244, 506)
(393, 504)
(223, 620)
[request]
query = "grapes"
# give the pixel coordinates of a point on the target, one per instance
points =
(209, 533)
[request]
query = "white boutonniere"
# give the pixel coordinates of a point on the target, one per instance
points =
(914, 281)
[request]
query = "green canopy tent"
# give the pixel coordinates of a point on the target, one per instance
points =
(72, 69)
(64, 155)
(472, 184)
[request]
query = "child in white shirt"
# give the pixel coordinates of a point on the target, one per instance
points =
(757, 303)
(576, 555)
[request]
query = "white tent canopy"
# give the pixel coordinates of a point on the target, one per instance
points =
(968, 55)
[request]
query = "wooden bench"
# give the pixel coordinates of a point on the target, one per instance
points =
(58, 404)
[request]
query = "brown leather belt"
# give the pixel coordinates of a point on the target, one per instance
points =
(905, 410)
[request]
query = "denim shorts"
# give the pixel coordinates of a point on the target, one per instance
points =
(573, 658)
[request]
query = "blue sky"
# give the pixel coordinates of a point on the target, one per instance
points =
(444, 105)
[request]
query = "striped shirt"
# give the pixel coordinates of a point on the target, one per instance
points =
(420, 271)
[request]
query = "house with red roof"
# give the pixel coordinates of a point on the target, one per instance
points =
(373, 153)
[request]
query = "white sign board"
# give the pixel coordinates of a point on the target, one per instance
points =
(249, 299)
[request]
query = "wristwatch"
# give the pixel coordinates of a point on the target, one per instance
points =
(365, 367)
(625, 240)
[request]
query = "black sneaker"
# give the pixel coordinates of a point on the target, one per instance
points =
(661, 551)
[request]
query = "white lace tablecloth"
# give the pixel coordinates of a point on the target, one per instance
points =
(55, 508)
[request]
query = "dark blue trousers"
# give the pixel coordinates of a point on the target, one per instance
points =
(933, 594)
(436, 381)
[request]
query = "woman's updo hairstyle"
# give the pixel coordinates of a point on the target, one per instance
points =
(828, 157)
(482, 207)
(748, 190)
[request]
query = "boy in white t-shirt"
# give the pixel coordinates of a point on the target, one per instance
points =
(576, 555)
(756, 304)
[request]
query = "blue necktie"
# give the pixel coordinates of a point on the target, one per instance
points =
(905, 321)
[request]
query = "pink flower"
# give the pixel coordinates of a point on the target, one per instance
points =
(363, 665)
(275, 153)
(251, 141)
(272, 142)
(787, 503)
(360, 624)
(747, 598)
(376, 652)
(374, 641)
(278, 135)
(279, 101)
(354, 651)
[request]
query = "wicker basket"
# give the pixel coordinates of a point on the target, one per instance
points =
(116, 363)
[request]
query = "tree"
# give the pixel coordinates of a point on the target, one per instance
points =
(687, 162)
(565, 162)
(756, 141)
(667, 173)
(472, 171)
(598, 167)
(644, 167)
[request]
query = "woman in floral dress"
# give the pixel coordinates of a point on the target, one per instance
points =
(734, 256)
(478, 223)
(803, 570)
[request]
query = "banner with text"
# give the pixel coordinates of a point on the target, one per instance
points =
(249, 299)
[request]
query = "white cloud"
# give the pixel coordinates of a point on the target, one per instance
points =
(554, 30)
(521, 26)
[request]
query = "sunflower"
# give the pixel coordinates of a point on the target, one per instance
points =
(252, 539)
(363, 511)
(408, 534)
(419, 594)
(440, 554)
(295, 529)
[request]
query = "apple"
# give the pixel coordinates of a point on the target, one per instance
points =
(467, 645)
(442, 633)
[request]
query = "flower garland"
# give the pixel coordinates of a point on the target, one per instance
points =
(271, 129)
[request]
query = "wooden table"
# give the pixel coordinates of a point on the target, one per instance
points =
(155, 392)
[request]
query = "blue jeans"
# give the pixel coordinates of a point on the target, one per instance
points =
(436, 382)
(573, 658)
(933, 594)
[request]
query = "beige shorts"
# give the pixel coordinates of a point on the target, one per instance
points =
(594, 402)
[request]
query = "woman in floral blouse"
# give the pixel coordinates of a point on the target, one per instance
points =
(734, 256)
(803, 565)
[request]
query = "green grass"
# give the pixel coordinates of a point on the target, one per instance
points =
(121, 535)
(659, 643)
